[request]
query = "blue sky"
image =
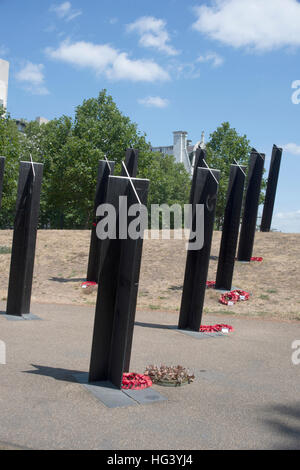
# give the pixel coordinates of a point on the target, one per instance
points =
(169, 65)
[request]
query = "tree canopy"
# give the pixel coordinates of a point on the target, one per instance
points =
(10, 147)
(226, 147)
(70, 150)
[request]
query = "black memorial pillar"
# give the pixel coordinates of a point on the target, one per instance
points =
(118, 286)
(267, 214)
(131, 162)
(24, 238)
(231, 224)
(200, 156)
(198, 163)
(105, 169)
(205, 193)
(248, 228)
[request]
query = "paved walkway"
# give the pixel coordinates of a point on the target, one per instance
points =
(245, 396)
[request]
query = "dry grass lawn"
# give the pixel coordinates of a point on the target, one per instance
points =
(61, 262)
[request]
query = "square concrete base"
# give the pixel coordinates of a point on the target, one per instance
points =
(112, 397)
(25, 316)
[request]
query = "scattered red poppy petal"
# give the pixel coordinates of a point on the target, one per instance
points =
(88, 284)
(215, 328)
(134, 381)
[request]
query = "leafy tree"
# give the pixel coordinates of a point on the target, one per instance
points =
(45, 143)
(226, 147)
(169, 181)
(11, 149)
(73, 183)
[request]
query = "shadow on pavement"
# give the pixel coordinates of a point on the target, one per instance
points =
(284, 421)
(66, 375)
(156, 325)
(63, 279)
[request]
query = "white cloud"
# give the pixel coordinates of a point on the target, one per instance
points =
(154, 102)
(257, 24)
(32, 77)
(65, 11)
(104, 59)
(212, 57)
(153, 34)
(84, 54)
(292, 148)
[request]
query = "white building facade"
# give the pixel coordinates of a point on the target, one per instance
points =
(4, 73)
(41, 120)
(182, 149)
